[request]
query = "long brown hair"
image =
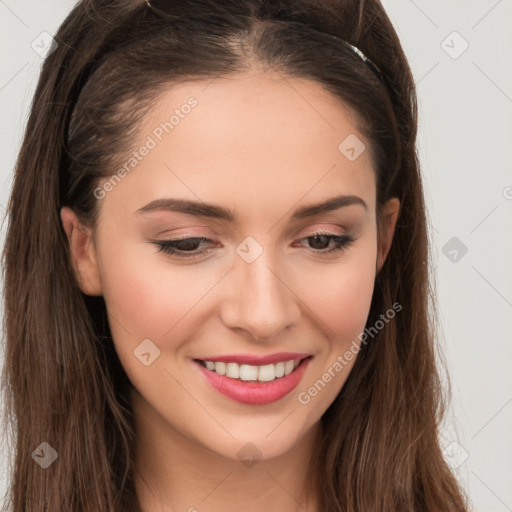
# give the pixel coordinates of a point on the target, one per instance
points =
(62, 380)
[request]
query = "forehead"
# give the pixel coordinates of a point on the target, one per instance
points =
(261, 134)
(274, 108)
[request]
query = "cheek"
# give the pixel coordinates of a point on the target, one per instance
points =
(340, 299)
(340, 294)
(146, 300)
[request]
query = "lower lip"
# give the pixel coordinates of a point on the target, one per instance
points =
(255, 392)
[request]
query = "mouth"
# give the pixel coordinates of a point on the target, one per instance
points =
(254, 384)
(251, 372)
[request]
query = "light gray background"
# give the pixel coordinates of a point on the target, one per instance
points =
(465, 135)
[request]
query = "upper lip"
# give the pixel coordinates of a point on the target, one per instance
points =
(256, 360)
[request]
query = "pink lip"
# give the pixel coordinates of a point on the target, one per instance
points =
(255, 392)
(256, 360)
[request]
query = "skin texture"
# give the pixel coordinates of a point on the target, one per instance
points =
(260, 145)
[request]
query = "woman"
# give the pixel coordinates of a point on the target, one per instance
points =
(216, 266)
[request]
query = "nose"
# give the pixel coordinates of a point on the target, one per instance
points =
(259, 300)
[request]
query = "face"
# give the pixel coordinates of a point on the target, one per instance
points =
(259, 274)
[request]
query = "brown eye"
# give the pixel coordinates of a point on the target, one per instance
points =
(320, 241)
(184, 248)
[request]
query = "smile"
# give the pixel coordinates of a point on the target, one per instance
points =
(251, 373)
(254, 384)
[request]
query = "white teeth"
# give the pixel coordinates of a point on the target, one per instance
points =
(267, 373)
(220, 368)
(233, 370)
(289, 366)
(248, 372)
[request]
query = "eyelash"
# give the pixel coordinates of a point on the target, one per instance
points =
(169, 246)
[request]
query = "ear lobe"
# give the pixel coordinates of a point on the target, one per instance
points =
(83, 252)
(386, 230)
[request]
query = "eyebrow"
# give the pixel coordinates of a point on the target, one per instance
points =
(200, 209)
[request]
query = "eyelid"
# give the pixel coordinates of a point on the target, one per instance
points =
(327, 228)
(323, 228)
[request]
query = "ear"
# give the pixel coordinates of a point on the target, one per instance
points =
(387, 230)
(83, 252)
